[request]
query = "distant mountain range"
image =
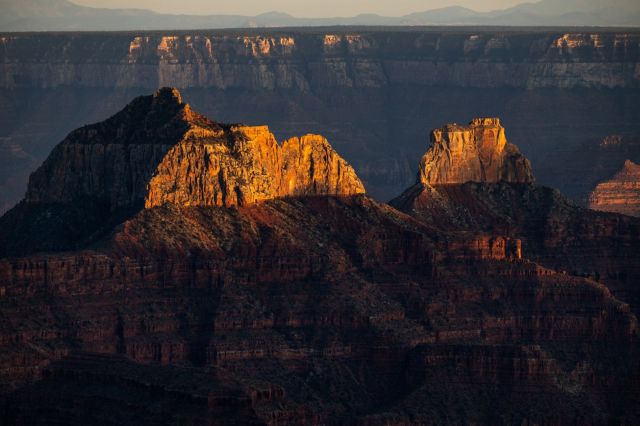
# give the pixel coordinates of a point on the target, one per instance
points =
(63, 15)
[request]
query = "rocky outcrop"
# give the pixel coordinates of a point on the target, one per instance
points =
(621, 194)
(478, 152)
(207, 170)
(552, 231)
(578, 170)
(157, 151)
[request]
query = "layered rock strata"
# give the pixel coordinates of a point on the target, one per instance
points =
(156, 151)
(271, 59)
(621, 194)
(308, 308)
(478, 152)
(552, 230)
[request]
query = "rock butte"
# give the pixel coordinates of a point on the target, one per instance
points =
(157, 150)
(478, 152)
(621, 194)
(292, 79)
(482, 214)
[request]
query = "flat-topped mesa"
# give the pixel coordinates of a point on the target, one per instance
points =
(478, 152)
(157, 150)
(621, 194)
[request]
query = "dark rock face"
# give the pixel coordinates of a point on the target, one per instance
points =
(316, 308)
(113, 161)
(373, 94)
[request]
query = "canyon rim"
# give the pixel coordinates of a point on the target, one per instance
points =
(303, 220)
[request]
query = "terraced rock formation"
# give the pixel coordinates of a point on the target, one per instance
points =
(321, 306)
(156, 151)
(621, 194)
(373, 92)
(478, 152)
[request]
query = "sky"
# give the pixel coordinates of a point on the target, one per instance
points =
(299, 8)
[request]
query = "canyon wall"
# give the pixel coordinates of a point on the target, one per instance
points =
(286, 59)
(256, 284)
(373, 93)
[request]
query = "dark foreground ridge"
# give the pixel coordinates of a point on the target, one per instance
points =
(237, 281)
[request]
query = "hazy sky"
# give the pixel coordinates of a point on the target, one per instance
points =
(300, 8)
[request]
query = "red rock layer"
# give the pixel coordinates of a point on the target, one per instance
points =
(310, 308)
(313, 309)
(621, 194)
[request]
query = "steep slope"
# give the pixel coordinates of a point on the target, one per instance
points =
(318, 307)
(621, 194)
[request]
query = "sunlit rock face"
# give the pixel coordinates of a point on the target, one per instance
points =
(240, 165)
(372, 93)
(158, 150)
(620, 194)
(478, 152)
